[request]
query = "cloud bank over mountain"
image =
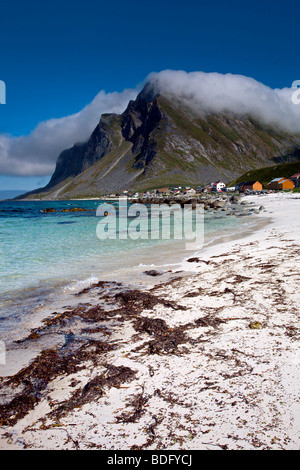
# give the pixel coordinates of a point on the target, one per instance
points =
(36, 153)
(215, 92)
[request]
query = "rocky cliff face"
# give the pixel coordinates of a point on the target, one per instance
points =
(158, 142)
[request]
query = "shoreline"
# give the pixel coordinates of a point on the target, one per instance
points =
(176, 356)
(168, 259)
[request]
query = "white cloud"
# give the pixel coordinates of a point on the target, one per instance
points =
(215, 92)
(36, 153)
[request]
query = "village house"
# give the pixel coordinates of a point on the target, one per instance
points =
(218, 186)
(296, 179)
(280, 184)
(250, 186)
(190, 191)
(162, 191)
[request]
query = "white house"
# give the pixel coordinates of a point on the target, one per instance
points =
(190, 191)
(218, 186)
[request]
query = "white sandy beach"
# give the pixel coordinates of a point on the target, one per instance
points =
(215, 365)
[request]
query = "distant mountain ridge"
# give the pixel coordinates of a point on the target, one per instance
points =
(157, 141)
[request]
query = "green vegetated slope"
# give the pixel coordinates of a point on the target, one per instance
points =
(265, 175)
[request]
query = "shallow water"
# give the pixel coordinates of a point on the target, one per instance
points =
(43, 254)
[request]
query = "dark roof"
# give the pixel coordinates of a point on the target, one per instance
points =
(247, 183)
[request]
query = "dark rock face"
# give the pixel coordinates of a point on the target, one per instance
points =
(69, 163)
(135, 125)
(80, 157)
(139, 121)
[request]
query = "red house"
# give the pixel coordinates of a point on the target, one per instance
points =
(296, 179)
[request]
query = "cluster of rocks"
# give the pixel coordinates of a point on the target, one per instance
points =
(72, 209)
(233, 204)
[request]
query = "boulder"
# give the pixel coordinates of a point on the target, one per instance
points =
(153, 272)
(235, 199)
(218, 204)
(74, 209)
(49, 209)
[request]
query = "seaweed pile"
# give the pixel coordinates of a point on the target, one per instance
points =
(79, 327)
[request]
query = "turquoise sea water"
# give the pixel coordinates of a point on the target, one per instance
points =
(41, 251)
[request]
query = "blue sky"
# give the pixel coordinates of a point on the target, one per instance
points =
(56, 56)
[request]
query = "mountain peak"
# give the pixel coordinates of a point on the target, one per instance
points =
(148, 93)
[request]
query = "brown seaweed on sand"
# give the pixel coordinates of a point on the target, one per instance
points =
(165, 340)
(25, 388)
(113, 376)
